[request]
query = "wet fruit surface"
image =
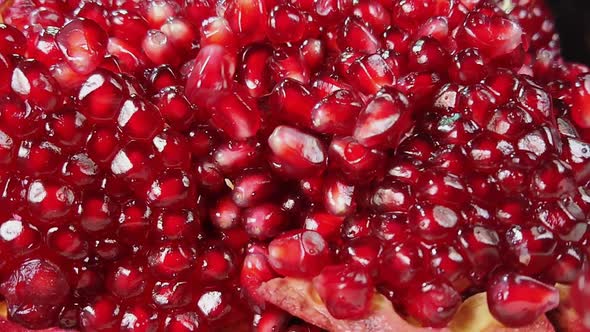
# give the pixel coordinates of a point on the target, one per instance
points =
(160, 160)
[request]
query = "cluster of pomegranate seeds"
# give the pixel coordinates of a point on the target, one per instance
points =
(161, 159)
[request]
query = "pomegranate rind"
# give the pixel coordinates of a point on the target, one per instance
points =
(297, 297)
(565, 318)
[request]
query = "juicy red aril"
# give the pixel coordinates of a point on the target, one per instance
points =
(433, 303)
(295, 152)
(83, 44)
(346, 290)
(161, 160)
(517, 300)
(298, 253)
(384, 120)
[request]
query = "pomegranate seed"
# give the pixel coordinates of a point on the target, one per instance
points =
(212, 72)
(247, 19)
(159, 49)
(295, 152)
(100, 96)
(286, 24)
(83, 44)
(298, 253)
(34, 84)
(516, 300)
(335, 113)
(126, 280)
(384, 120)
(104, 313)
(346, 290)
(433, 303)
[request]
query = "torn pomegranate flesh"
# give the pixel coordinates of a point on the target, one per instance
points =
(159, 160)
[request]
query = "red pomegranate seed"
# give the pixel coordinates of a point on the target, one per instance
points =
(104, 313)
(180, 32)
(19, 237)
(216, 30)
(384, 120)
(286, 24)
(433, 303)
(83, 44)
(295, 152)
(212, 72)
(247, 19)
(326, 224)
(516, 300)
(346, 290)
(298, 253)
(159, 49)
(34, 84)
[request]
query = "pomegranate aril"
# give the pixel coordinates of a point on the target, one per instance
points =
(159, 49)
(287, 63)
(172, 149)
(12, 40)
(216, 30)
(295, 152)
(567, 266)
(326, 224)
(68, 242)
(126, 280)
(372, 72)
(139, 317)
(33, 83)
(183, 321)
(516, 300)
(384, 121)
(298, 253)
(255, 270)
(355, 161)
(433, 303)
(286, 24)
(434, 223)
(293, 103)
(104, 313)
(100, 96)
(171, 294)
(39, 158)
(406, 260)
(364, 251)
(533, 249)
(170, 259)
(481, 246)
(235, 114)
(127, 25)
(50, 202)
(212, 72)
(180, 32)
(139, 119)
(247, 19)
(36, 282)
(171, 188)
(83, 43)
(157, 12)
(18, 236)
(215, 264)
(354, 35)
(335, 113)
(347, 290)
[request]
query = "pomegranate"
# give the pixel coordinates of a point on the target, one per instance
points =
(290, 166)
